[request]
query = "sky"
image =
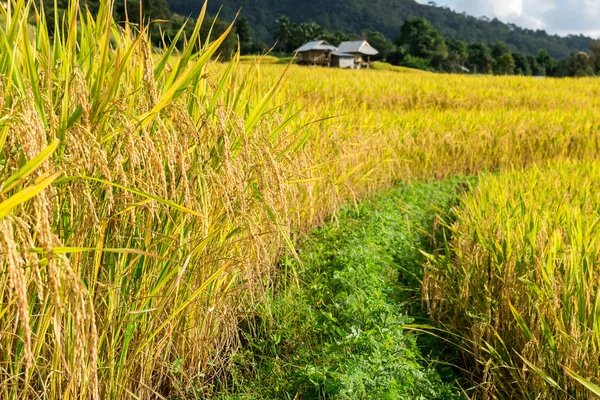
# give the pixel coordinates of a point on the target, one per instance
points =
(555, 16)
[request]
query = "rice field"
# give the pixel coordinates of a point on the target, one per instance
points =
(519, 285)
(146, 198)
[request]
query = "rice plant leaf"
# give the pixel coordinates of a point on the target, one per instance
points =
(77, 250)
(110, 91)
(307, 180)
(187, 51)
(162, 63)
(4, 132)
(29, 167)
(165, 202)
(26, 194)
(541, 373)
(75, 116)
(282, 126)
(184, 80)
(592, 387)
(344, 177)
(192, 297)
(520, 322)
(258, 111)
(222, 82)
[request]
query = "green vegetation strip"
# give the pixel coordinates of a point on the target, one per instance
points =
(336, 329)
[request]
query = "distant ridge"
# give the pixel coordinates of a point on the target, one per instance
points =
(386, 16)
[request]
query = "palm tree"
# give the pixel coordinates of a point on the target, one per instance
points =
(283, 31)
(311, 31)
(300, 34)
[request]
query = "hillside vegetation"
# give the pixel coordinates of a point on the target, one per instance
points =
(147, 198)
(386, 16)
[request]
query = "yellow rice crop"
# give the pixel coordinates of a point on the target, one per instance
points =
(146, 199)
(522, 286)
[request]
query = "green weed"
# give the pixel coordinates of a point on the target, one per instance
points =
(337, 328)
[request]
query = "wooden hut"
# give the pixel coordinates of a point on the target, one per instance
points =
(315, 53)
(361, 50)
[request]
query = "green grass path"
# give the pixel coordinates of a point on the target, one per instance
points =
(335, 328)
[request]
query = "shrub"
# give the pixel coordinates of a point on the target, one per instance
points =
(415, 62)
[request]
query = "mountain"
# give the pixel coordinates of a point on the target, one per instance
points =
(385, 16)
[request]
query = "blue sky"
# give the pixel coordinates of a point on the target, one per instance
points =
(555, 16)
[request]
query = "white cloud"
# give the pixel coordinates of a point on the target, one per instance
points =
(508, 8)
(554, 16)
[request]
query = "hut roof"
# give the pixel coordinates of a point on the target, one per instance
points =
(342, 55)
(359, 46)
(316, 45)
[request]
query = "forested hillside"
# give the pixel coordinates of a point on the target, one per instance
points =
(386, 16)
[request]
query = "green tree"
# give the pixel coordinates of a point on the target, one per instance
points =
(416, 63)
(303, 33)
(546, 62)
(498, 49)
(457, 56)
(336, 38)
(505, 65)
(129, 10)
(154, 13)
(595, 49)
(311, 31)
(158, 10)
(420, 39)
(381, 43)
(216, 27)
(397, 55)
(480, 60)
(242, 28)
(536, 68)
(560, 69)
(244, 34)
(581, 64)
(61, 7)
(386, 17)
(522, 66)
(283, 32)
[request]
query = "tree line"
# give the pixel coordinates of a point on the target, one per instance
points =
(386, 16)
(163, 25)
(421, 46)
